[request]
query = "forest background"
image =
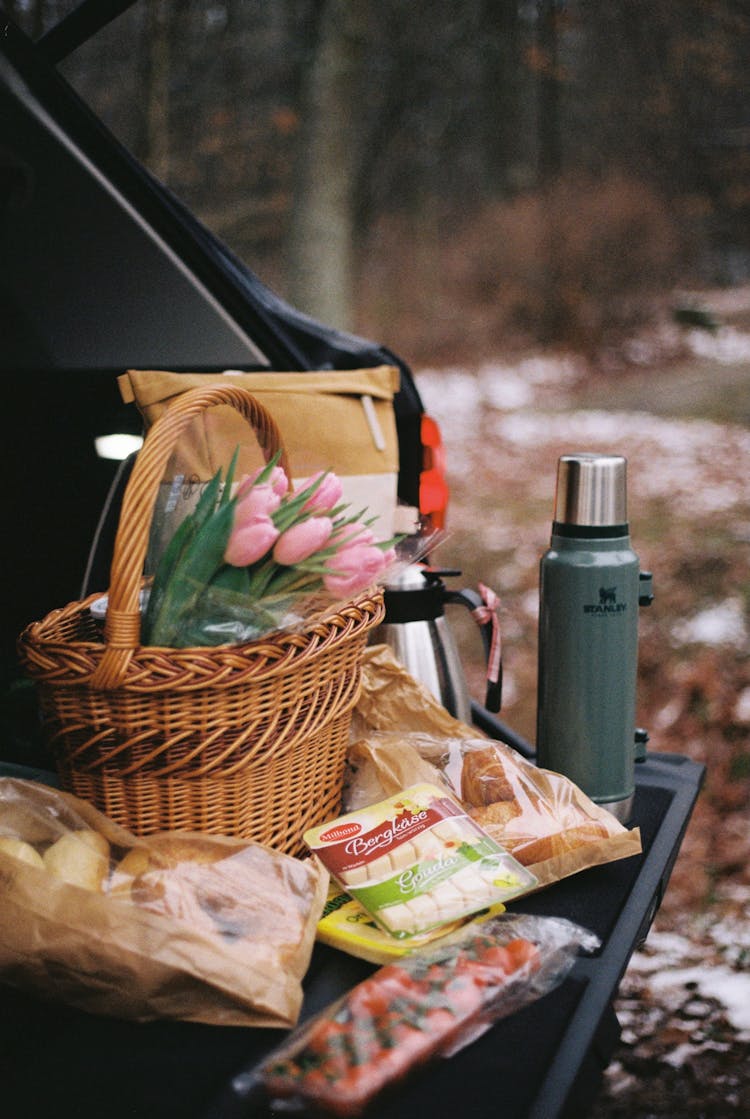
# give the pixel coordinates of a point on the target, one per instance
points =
(448, 177)
(543, 206)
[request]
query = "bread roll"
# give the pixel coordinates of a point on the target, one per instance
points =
(20, 850)
(80, 858)
(498, 814)
(223, 889)
(483, 778)
(174, 874)
(538, 850)
(124, 874)
(171, 849)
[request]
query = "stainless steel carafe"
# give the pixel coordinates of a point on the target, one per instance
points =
(417, 631)
(590, 589)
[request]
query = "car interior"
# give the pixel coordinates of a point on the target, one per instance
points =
(102, 269)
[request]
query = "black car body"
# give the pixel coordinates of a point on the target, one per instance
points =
(103, 269)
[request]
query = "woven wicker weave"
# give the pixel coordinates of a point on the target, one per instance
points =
(246, 740)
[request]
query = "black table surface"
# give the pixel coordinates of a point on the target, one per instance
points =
(542, 1062)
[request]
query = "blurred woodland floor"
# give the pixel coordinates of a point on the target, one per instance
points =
(684, 425)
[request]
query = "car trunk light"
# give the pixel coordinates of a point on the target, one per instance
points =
(117, 446)
(433, 487)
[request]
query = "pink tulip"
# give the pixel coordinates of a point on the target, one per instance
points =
(259, 501)
(389, 556)
(327, 495)
(354, 534)
(250, 540)
(278, 481)
(302, 540)
(352, 569)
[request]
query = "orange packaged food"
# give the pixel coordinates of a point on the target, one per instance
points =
(425, 1005)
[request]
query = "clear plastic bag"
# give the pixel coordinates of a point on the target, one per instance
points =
(429, 1004)
(175, 925)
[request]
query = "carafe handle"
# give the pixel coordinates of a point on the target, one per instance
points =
(483, 608)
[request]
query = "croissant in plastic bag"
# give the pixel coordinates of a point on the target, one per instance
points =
(541, 817)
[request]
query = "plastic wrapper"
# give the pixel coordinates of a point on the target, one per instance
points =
(416, 861)
(427, 1005)
(378, 765)
(401, 735)
(176, 925)
(542, 817)
(348, 926)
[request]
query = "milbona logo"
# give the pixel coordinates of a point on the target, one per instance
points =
(607, 603)
(339, 832)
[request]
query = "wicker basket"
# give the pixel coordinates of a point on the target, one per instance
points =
(244, 740)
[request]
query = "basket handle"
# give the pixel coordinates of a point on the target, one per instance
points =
(122, 631)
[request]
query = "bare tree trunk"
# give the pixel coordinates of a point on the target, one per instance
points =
(550, 143)
(159, 27)
(320, 247)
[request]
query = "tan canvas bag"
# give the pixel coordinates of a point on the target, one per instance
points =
(340, 420)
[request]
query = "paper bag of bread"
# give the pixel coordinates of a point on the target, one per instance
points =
(391, 699)
(176, 925)
(542, 818)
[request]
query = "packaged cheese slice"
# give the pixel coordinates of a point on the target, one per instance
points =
(416, 861)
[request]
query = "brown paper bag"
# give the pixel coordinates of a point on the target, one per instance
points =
(339, 420)
(402, 735)
(193, 927)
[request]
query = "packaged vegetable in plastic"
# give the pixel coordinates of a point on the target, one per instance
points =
(429, 1004)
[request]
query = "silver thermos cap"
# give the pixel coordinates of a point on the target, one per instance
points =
(591, 490)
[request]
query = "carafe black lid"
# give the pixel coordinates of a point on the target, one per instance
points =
(413, 596)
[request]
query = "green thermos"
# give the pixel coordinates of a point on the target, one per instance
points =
(591, 587)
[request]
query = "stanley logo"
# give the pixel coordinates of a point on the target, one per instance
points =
(607, 603)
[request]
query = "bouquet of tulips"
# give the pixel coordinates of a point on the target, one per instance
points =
(247, 562)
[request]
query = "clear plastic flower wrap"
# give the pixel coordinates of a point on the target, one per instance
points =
(426, 1005)
(258, 557)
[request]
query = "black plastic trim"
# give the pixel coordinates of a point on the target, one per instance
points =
(590, 532)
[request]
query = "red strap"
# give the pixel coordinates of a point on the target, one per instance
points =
(488, 612)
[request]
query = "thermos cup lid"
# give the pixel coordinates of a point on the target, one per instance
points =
(591, 490)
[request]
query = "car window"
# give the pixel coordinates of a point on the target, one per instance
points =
(204, 95)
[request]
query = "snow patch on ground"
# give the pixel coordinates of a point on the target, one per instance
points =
(712, 965)
(696, 468)
(726, 345)
(666, 457)
(721, 624)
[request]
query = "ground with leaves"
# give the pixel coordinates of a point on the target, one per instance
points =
(684, 1003)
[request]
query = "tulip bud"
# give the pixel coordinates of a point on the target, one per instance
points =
(250, 541)
(259, 501)
(302, 540)
(327, 495)
(353, 534)
(277, 480)
(352, 569)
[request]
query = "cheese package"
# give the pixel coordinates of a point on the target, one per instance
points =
(416, 861)
(350, 928)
